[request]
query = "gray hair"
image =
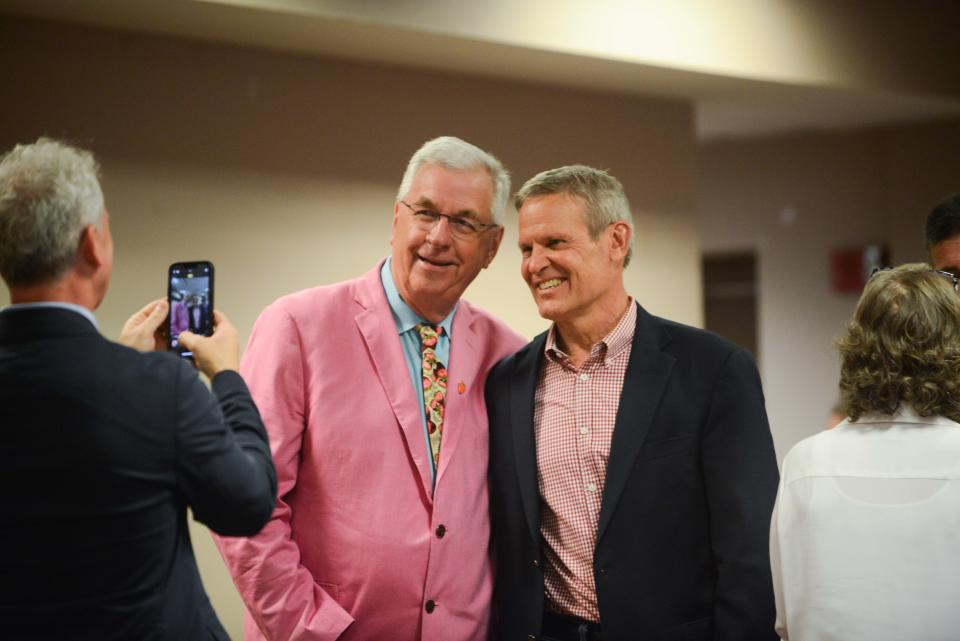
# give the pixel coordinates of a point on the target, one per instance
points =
(602, 193)
(49, 193)
(457, 154)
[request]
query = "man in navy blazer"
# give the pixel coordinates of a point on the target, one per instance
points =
(105, 447)
(632, 468)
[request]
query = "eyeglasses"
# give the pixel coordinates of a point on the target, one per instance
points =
(952, 277)
(460, 226)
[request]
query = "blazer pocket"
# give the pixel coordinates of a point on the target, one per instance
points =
(666, 448)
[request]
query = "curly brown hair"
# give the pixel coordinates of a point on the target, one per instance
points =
(903, 345)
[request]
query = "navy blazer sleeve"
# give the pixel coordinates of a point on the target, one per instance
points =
(740, 477)
(224, 465)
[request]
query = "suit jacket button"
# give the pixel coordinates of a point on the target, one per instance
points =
(430, 606)
(530, 637)
(536, 563)
(441, 530)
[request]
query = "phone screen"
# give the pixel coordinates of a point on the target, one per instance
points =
(190, 293)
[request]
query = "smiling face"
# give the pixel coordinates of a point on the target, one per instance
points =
(432, 268)
(575, 280)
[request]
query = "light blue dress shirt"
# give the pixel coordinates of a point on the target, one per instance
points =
(407, 320)
(83, 311)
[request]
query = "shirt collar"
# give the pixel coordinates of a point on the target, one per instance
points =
(405, 318)
(904, 414)
(617, 340)
(83, 311)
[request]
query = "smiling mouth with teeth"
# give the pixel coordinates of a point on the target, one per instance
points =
(549, 284)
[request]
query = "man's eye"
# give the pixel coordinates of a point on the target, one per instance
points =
(426, 214)
(554, 242)
(463, 223)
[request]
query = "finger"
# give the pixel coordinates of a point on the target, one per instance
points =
(188, 339)
(220, 320)
(156, 315)
(149, 307)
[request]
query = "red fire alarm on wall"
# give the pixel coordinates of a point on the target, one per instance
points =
(851, 267)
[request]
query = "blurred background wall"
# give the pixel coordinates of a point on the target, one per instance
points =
(269, 136)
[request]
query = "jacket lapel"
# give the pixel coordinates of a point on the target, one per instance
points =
(521, 426)
(379, 331)
(463, 366)
(648, 371)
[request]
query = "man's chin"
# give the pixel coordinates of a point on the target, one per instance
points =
(547, 311)
(424, 289)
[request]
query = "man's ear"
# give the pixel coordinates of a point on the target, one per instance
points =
(493, 247)
(396, 218)
(620, 236)
(91, 248)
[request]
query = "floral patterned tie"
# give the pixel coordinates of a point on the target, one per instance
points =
(434, 386)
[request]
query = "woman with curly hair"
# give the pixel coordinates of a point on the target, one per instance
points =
(865, 537)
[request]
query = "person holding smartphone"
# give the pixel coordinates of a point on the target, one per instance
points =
(105, 445)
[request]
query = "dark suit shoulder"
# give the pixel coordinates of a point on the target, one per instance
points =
(506, 366)
(705, 345)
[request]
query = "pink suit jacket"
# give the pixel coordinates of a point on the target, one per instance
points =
(359, 543)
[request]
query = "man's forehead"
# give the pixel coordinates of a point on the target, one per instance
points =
(945, 255)
(434, 172)
(464, 192)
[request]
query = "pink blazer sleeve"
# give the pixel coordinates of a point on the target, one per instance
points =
(279, 592)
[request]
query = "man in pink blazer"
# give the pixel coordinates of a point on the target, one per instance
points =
(381, 530)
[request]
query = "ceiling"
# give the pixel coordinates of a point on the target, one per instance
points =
(748, 72)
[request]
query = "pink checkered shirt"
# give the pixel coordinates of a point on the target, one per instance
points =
(573, 419)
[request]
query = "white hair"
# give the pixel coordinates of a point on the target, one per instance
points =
(454, 153)
(49, 193)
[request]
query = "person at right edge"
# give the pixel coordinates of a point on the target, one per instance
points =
(632, 468)
(864, 536)
(943, 234)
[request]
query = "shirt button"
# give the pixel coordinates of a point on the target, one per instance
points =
(441, 530)
(584, 430)
(430, 606)
(584, 377)
(591, 487)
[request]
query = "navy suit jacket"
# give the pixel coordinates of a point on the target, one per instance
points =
(682, 539)
(103, 450)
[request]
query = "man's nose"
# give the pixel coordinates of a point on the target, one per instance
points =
(536, 261)
(439, 234)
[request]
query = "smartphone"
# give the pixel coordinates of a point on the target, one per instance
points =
(190, 294)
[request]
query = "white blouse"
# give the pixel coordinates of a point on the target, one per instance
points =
(865, 537)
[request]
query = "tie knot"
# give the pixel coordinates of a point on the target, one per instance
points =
(429, 334)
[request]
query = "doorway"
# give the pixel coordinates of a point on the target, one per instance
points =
(730, 297)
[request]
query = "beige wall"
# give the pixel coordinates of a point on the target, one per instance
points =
(282, 169)
(795, 198)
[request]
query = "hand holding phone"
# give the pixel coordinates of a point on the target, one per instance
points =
(216, 353)
(144, 330)
(190, 294)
